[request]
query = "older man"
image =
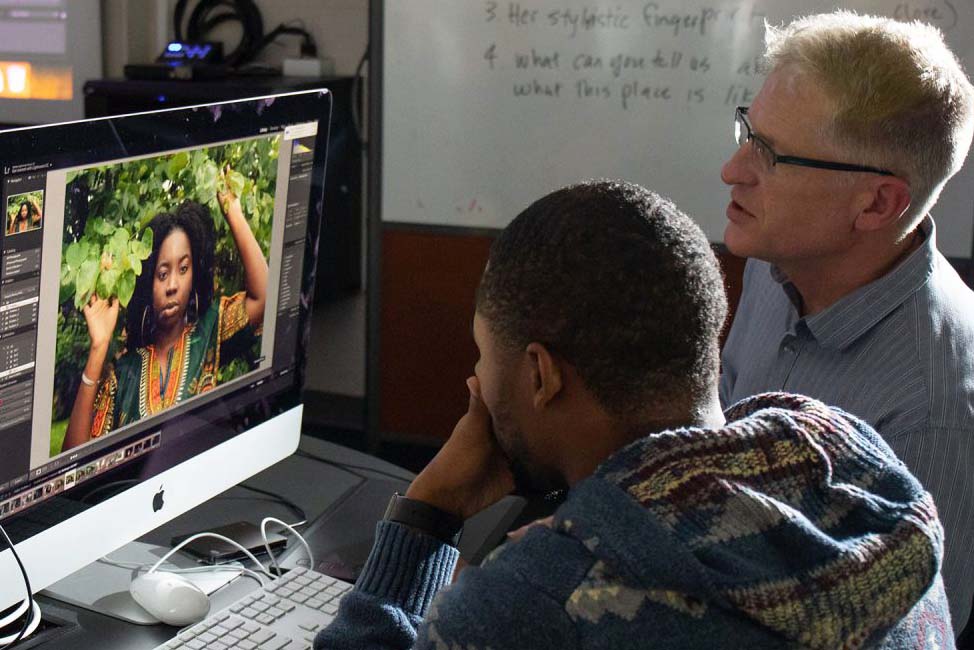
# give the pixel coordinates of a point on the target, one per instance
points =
(858, 126)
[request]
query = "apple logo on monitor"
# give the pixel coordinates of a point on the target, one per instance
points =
(157, 501)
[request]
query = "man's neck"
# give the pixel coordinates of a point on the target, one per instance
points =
(599, 437)
(824, 281)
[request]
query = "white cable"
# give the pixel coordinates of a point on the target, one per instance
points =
(197, 536)
(253, 558)
(223, 567)
(230, 566)
(14, 615)
(135, 566)
(35, 608)
(290, 527)
(35, 621)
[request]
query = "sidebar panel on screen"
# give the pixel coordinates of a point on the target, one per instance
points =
(20, 266)
(292, 255)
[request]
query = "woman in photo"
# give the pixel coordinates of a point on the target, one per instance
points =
(27, 217)
(177, 333)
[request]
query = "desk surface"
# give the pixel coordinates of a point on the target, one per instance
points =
(314, 486)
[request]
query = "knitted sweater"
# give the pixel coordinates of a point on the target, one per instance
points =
(793, 526)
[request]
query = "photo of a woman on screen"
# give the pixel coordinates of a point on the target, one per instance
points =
(26, 215)
(178, 333)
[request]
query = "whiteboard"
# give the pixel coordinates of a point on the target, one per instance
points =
(487, 105)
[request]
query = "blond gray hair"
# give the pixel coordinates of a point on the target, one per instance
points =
(901, 99)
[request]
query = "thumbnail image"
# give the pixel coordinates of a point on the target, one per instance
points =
(163, 283)
(25, 212)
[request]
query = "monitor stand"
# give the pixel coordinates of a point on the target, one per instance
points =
(104, 588)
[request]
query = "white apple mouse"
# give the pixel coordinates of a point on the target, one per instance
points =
(172, 599)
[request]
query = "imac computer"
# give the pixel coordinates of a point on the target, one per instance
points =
(156, 278)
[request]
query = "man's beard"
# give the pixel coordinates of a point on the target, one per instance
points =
(531, 478)
(524, 482)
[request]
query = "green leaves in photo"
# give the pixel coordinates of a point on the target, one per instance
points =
(106, 244)
(105, 261)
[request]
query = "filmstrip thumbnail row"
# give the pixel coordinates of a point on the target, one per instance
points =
(72, 477)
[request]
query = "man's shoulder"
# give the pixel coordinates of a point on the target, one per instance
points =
(946, 298)
(925, 344)
(942, 311)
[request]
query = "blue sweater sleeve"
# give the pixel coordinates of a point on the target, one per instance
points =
(392, 606)
(404, 572)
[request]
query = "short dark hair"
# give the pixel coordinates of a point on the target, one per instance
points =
(196, 221)
(618, 282)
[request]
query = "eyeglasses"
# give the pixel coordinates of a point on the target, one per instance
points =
(743, 135)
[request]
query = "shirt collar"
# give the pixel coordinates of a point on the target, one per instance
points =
(843, 322)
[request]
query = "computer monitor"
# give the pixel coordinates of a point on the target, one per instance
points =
(48, 49)
(156, 278)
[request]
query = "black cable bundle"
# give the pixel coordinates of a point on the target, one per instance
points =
(208, 14)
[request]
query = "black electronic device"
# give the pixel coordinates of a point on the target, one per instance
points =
(177, 72)
(217, 551)
(179, 53)
(184, 61)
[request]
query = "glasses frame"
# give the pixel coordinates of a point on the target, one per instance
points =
(740, 118)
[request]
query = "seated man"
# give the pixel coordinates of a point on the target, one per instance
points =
(597, 321)
(844, 152)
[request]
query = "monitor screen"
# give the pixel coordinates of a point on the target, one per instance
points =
(48, 49)
(156, 276)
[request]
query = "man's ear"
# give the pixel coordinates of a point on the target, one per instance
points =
(546, 374)
(887, 200)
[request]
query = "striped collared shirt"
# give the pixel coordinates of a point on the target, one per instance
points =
(898, 353)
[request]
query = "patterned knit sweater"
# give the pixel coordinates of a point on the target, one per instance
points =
(794, 526)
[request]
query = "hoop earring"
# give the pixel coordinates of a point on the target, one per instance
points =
(145, 313)
(196, 304)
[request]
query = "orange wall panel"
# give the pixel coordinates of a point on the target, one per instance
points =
(426, 346)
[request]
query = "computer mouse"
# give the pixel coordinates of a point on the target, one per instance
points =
(172, 599)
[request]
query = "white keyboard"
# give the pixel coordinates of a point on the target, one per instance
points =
(284, 615)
